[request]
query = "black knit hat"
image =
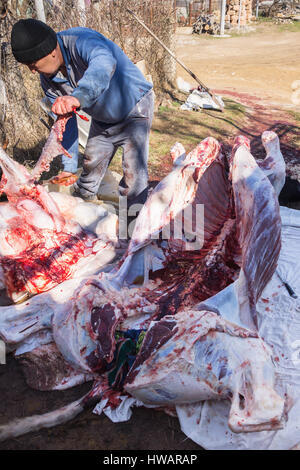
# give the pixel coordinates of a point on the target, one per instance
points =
(31, 40)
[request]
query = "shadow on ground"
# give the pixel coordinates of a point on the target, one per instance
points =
(146, 430)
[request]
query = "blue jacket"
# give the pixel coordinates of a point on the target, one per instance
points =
(100, 75)
(104, 80)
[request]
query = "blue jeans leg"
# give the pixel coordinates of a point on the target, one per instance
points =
(70, 142)
(133, 136)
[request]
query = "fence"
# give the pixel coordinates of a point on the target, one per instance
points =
(21, 128)
(188, 11)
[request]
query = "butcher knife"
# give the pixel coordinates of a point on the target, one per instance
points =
(287, 286)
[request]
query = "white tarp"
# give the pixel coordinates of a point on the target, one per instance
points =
(279, 325)
(199, 99)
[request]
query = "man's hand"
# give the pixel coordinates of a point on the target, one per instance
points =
(64, 178)
(65, 104)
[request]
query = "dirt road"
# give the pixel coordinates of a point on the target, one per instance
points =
(263, 63)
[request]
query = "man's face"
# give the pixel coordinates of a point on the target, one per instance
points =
(47, 65)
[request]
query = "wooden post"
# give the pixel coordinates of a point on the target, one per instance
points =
(151, 12)
(210, 7)
(175, 14)
(190, 13)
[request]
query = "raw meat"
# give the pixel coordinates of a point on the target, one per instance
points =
(207, 358)
(208, 277)
(273, 165)
(39, 247)
(52, 147)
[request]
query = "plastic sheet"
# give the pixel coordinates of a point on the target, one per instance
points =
(206, 423)
(197, 100)
(279, 326)
(123, 412)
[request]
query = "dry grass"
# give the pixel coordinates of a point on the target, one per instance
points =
(171, 125)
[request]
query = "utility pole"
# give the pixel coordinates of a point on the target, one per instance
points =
(40, 12)
(240, 12)
(222, 22)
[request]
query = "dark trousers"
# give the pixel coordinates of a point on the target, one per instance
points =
(133, 136)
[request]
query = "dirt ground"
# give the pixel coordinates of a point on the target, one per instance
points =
(146, 430)
(263, 63)
(257, 70)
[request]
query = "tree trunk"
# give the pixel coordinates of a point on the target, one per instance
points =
(40, 12)
(81, 12)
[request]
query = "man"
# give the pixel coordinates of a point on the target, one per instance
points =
(80, 68)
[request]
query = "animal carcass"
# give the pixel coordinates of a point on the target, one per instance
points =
(208, 278)
(41, 245)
